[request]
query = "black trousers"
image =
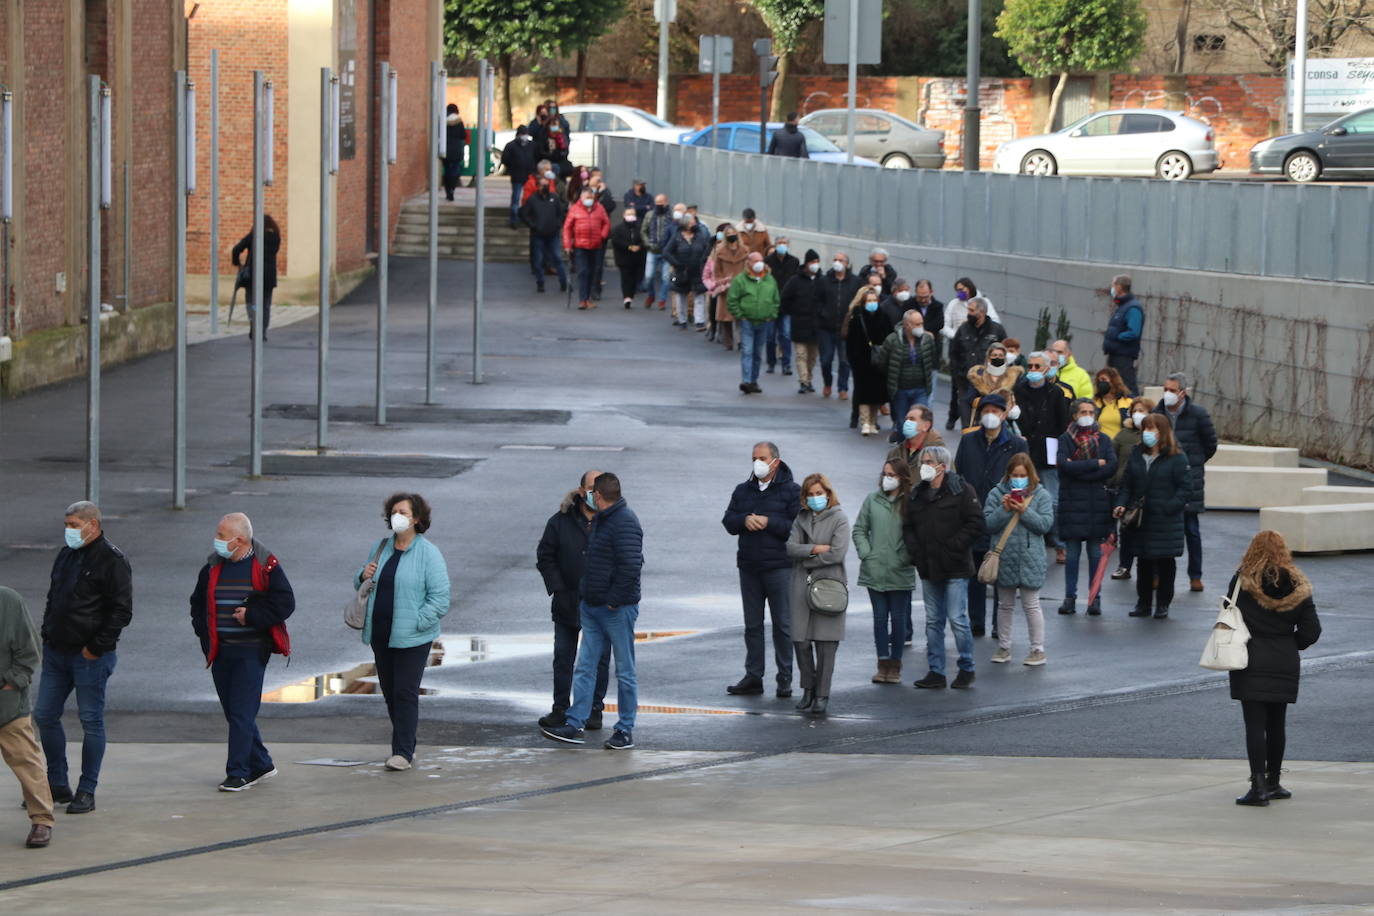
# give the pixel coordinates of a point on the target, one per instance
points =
(978, 596)
(398, 674)
(266, 307)
(565, 660)
(631, 274)
(1265, 734)
(1125, 365)
(1146, 570)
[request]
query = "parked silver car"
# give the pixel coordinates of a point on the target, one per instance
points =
(881, 136)
(1130, 141)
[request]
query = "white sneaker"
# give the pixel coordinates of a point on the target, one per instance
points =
(397, 762)
(1035, 659)
(1001, 656)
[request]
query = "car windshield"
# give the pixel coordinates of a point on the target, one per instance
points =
(652, 119)
(1076, 124)
(816, 143)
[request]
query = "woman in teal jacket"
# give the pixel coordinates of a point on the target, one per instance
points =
(403, 612)
(1022, 566)
(885, 568)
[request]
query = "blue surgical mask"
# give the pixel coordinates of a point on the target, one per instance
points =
(817, 503)
(1019, 483)
(1150, 438)
(1052, 371)
(591, 499)
(908, 429)
(720, 236)
(222, 548)
(1035, 378)
(870, 306)
(75, 540)
(781, 249)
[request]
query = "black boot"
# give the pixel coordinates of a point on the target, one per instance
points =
(807, 699)
(1162, 612)
(1070, 605)
(1258, 796)
(1276, 791)
(1095, 607)
(818, 706)
(1142, 609)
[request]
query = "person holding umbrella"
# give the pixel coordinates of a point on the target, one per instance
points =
(1086, 462)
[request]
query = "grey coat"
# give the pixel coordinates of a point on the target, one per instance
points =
(827, 527)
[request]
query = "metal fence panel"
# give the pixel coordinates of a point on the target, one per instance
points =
(1314, 232)
(1354, 248)
(1248, 229)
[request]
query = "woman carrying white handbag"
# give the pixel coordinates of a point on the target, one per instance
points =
(1275, 603)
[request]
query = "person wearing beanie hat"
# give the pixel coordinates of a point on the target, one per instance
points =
(800, 307)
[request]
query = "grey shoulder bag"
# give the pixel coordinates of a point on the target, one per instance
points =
(355, 611)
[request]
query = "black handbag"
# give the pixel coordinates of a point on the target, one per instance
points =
(1134, 516)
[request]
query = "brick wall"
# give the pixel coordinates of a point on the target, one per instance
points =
(153, 166)
(1242, 109)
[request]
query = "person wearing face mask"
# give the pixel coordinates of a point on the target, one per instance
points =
(783, 266)
(729, 259)
(1124, 443)
(657, 228)
(753, 301)
(686, 255)
(907, 362)
(409, 599)
(1070, 373)
(639, 199)
(90, 602)
(801, 307)
(974, 338)
(1121, 340)
(885, 567)
(627, 247)
(1043, 419)
(993, 372)
(838, 288)
(1087, 463)
(752, 233)
(864, 333)
(545, 214)
(561, 559)
(918, 432)
(239, 610)
(585, 231)
(606, 199)
(1157, 480)
(1021, 567)
(898, 302)
(455, 144)
(943, 522)
(1112, 399)
(543, 172)
(518, 159)
(880, 265)
(956, 310)
(1014, 355)
(760, 515)
(816, 546)
(982, 461)
(1197, 438)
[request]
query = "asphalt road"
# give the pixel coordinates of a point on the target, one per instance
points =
(564, 391)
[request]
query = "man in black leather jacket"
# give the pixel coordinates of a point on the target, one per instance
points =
(90, 601)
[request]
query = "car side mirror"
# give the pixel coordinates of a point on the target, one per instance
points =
(1075, 133)
(1337, 132)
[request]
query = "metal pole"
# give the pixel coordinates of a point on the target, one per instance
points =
(436, 110)
(663, 60)
(480, 219)
(327, 141)
(255, 429)
(972, 139)
(94, 151)
(1300, 69)
(383, 224)
(214, 191)
(179, 383)
(853, 79)
(715, 99)
(128, 231)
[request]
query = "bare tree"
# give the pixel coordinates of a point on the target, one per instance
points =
(1271, 25)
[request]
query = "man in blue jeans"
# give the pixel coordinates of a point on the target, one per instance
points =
(753, 302)
(90, 602)
(610, 606)
(943, 521)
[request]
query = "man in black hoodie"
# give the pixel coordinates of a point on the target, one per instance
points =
(544, 213)
(789, 141)
(518, 159)
(760, 514)
(837, 290)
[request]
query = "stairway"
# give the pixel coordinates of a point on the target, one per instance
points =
(456, 230)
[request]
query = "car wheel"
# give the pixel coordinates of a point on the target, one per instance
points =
(1039, 162)
(1174, 166)
(897, 161)
(1302, 167)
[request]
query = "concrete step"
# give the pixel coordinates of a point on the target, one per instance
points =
(1322, 529)
(1241, 487)
(459, 253)
(1327, 496)
(1261, 456)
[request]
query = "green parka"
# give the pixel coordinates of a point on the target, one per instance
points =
(753, 300)
(884, 564)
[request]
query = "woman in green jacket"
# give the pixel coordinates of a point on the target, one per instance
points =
(885, 568)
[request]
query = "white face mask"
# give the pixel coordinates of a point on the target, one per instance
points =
(814, 267)
(1137, 418)
(1170, 399)
(550, 176)
(679, 214)
(758, 267)
(996, 371)
(903, 295)
(748, 227)
(761, 468)
(587, 202)
(837, 266)
(399, 522)
(928, 472)
(1014, 413)
(990, 421)
(1085, 421)
(889, 483)
(918, 331)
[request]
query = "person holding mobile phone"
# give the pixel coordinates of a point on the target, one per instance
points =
(1022, 565)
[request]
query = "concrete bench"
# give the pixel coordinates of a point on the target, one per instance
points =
(1323, 529)
(1231, 487)
(1260, 456)
(1328, 496)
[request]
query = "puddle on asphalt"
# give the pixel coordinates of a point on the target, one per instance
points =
(448, 651)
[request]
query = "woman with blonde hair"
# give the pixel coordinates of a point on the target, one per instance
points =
(994, 373)
(1275, 600)
(1112, 399)
(816, 546)
(729, 258)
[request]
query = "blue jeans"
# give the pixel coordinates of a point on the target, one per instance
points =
(780, 342)
(1192, 534)
(565, 658)
(652, 282)
(891, 620)
(586, 263)
(752, 337)
(829, 344)
(1072, 549)
(774, 586)
(546, 251)
(599, 626)
(238, 673)
(1050, 478)
(63, 673)
(515, 191)
(945, 602)
(902, 401)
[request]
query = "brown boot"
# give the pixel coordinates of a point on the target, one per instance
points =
(881, 676)
(894, 671)
(40, 835)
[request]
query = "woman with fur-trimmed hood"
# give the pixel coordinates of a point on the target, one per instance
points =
(1275, 600)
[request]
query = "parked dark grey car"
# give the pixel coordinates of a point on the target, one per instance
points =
(882, 136)
(1343, 148)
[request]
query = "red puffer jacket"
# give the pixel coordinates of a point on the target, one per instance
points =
(585, 228)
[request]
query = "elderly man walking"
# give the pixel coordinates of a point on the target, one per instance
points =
(239, 610)
(18, 661)
(753, 301)
(90, 602)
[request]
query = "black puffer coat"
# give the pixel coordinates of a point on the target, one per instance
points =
(1283, 620)
(561, 556)
(1166, 485)
(941, 527)
(780, 503)
(687, 257)
(615, 558)
(864, 336)
(983, 464)
(1085, 506)
(801, 302)
(1197, 438)
(836, 293)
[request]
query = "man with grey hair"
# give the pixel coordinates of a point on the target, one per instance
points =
(1121, 340)
(880, 263)
(1197, 439)
(760, 514)
(90, 602)
(238, 611)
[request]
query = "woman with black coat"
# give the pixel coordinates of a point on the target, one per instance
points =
(686, 254)
(455, 144)
(627, 245)
(271, 246)
(1157, 480)
(865, 328)
(1275, 601)
(1086, 462)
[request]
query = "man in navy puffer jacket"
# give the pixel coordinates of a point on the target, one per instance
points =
(610, 607)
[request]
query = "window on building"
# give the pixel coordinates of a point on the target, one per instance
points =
(1209, 44)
